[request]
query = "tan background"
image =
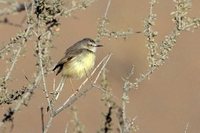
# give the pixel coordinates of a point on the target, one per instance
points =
(163, 104)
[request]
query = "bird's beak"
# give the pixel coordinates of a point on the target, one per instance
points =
(99, 45)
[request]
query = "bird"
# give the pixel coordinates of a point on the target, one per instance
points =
(78, 60)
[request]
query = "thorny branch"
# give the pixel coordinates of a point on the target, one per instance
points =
(44, 19)
(104, 32)
(80, 92)
(159, 53)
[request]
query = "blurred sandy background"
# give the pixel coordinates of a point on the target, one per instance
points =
(163, 104)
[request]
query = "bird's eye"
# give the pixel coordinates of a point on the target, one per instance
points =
(90, 44)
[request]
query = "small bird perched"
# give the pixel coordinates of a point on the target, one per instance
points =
(79, 59)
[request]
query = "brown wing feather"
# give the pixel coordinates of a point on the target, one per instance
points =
(72, 49)
(69, 56)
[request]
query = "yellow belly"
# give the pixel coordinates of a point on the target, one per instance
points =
(79, 66)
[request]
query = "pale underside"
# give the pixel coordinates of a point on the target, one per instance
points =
(80, 66)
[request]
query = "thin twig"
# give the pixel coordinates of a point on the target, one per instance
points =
(17, 54)
(125, 99)
(104, 65)
(42, 118)
(107, 8)
(186, 128)
(43, 78)
(66, 128)
(13, 63)
(59, 88)
(80, 5)
(48, 124)
(95, 69)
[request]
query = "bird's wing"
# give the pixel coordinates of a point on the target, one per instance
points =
(72, 49)
(69, 56)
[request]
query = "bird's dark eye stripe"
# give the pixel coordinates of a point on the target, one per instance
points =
(92, 41)
(88, 40)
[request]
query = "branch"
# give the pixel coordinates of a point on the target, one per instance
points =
(79, 92)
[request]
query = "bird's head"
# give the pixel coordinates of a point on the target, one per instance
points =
(90, 44)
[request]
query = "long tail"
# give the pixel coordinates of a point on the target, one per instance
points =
(60, 67)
